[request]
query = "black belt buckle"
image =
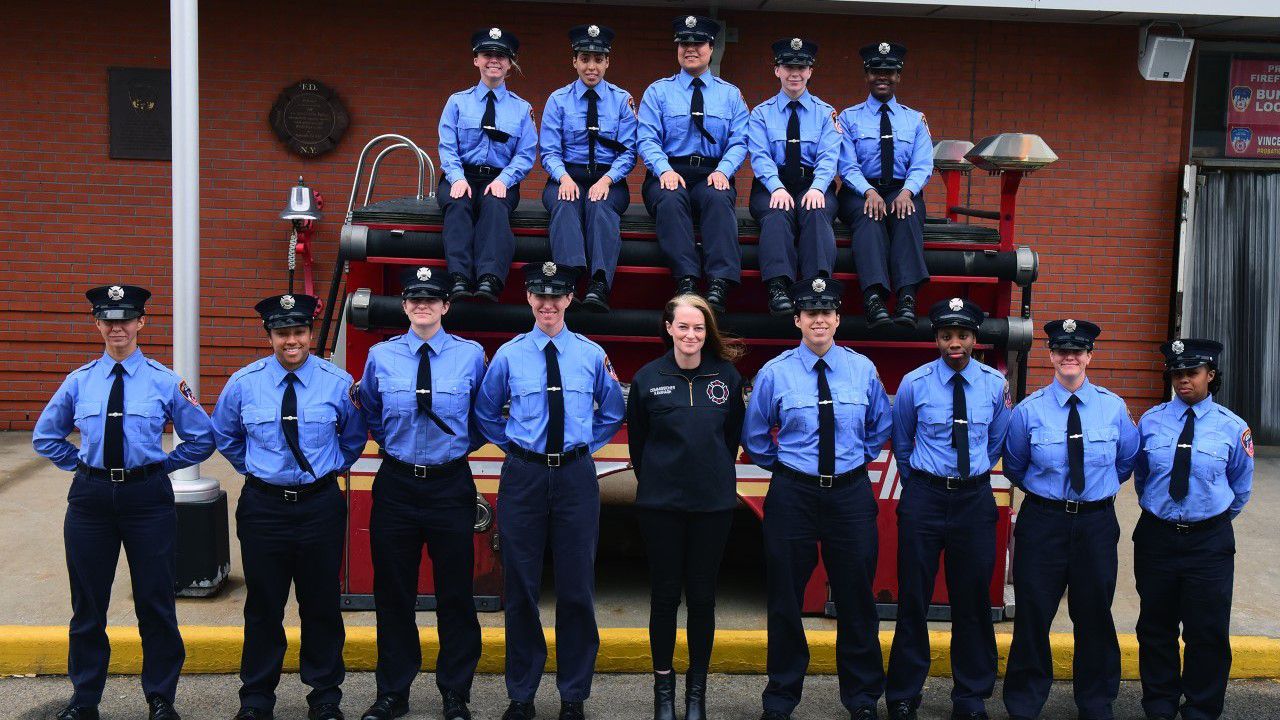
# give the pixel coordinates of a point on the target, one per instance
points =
(553, 459)
(291, 495)
(485, 170)
(1073, 507)
(695, 161)
(953, 482)
(1183, 528)
(117, 475)
(420, 471)
(826, 481)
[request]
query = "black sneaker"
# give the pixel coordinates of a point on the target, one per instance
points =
(597, 296)
(902, 710)
(78, 712)
(488, 288)
(326, 711)
(249, 713)
(717, 293)
(572, 711)
(386, 707)
(687, 285)
(866, 712)
(877, 315)
(461, 288)
(905, 313)
(780, 303)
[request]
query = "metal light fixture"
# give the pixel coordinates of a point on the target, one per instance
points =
(1011, 151)
(949, 155)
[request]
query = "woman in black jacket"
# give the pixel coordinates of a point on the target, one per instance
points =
(684, 418)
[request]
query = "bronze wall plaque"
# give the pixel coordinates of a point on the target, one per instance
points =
(309, 118)
(139, 109)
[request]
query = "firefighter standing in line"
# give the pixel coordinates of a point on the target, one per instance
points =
(287, 423)
(886, 158)
(487, 146)
(416, 394)
(588, 146)
(565, 404)
(1193, 476)
(820, 493)
(692, 139)
(1069, 447)
(949, 423)
(795, 148)
(121, 495)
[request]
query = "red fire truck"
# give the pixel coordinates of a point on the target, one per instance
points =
(965, 257)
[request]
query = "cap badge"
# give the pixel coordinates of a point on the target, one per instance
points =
(1069, 325)
(548, 269)
(424, 273)
(287, 302)
(796, 43)
(884, 48)
(691, 22)
(956, 304)
(819, 285)
(594, 31)
(1177, 347)
(494, 33)
(115, 292)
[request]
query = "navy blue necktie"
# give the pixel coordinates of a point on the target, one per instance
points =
(1075, 446)
(289, 423)
(697, 110)
(826, 422)
(886, 145)
(960, 424)
(489, 123)
(791, 162)
(423, 391)
(555, 402)
(1179, 481)
(113, 449)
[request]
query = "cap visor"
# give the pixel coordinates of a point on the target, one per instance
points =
(591, 48)
(117, 314)
(1069, 345)
(493, 47)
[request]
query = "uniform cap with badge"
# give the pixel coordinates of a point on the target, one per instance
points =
(591, 39)
(795, 51)
(883, 56)
(424, 282)
(695, 29)
(1071, 334)
(118, 302)
(819, 293)
(548, 278)
(284, 311)
(956, 312)
(1187, 353)
(495, 40)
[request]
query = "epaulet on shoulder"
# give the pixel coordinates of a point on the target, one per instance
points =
(514, 95)
(161, 367)
(512, 341)
(1154, 410)
(469, 342)
(589, 341)
(1035, 394)
(388, 341)
(1228, 413)
(249, 369)
(332, 369)
(859, 106)
(991, 371)
(85, 366)
(921, 372)
(820, 102)
(778, 358)
(1105, 391)
(462, 92)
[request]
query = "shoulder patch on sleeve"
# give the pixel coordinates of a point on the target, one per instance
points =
(187, 393)
(1008, 396)
(923, 120)
(1246, 441)
(631, 105)
(353, 393)
(608, 366)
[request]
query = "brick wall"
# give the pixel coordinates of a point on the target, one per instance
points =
(1102, 218)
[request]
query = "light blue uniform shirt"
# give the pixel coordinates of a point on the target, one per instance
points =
(389, 399)
(860, 146)
(153, 395)
(246, 421)
(593, 403)
(667, 129)
(1035, 450)
(564, 129)
(922, 418)
(819, 141)
(463, 141)
(786, 396)
(1221, 461)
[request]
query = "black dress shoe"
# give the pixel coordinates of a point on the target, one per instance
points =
(461, 288)
(386, 707)
(572, 711)
(597, 296)
(905, 313)
(161, 709)
(866, 712)
(248, 713)
(877, 315)
(519, 711)
(902, 709)
(488, 288)
(780, 304)
(454, 706)
(717, 292)
(78, 712)
(687, 285)
(326, 711)
(979, 715)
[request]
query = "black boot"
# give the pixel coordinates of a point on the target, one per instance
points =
(519, 711)
(717, 292)
(687, 285)
(597, 297)
(160, 709)
(780, 303)
(461, 288)
(905, 313)
(695, 695)
(488, 288)
(664, 696)
(873, 305)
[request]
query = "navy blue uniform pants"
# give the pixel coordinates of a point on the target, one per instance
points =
(297, 543)
(584, 233)
(477, 229)
(541, 507)
(960, 525)
(1059, 552)
(685, 549)
(102, 516)
(440, 512)
(797, 517)
(786, 234)
(888, 252)
(1184, 579)
(674, 213)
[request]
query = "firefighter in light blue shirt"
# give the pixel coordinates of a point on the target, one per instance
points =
(949, 423)
(886, 158)
(692, 139)
(588, 146)
(416, 393)
(794, 147)
(565, 404)
(833, 417)
(288, 424)
(1193, 475)
(1070, 445)
(121, 495)
(488, 142)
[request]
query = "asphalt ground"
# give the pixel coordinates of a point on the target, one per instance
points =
(614, 697)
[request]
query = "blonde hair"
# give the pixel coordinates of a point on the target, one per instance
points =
(723, 346)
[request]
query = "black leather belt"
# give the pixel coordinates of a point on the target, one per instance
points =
(291, 493)
(887, 184)
(952, 482)
(694, 161)
(486, 171)
(577, 170)
(1071, 507)
(425, 472)
(1185, 528)
(119, 475)
(824, 481)
(555, 460)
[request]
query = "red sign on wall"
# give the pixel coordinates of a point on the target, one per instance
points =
(1253, 109)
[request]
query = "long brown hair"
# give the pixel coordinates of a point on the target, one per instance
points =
(718, 344)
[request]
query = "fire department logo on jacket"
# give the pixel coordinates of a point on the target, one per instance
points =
(718, 391)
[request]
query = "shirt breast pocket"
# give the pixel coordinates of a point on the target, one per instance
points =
(574, 129)
(452, 398)
(935, 424)
(469, 132)
(88, 422)
(799, 413)
(319, 425)
(1159, 452)
(145, 420)
(904, 143)
(850, 409)
(867, 138)
(1100, 446)
(399, 396)
(718, 122)
(1209, 457)
(1049, 448)
(579, 400)
(528, 403)
(262, 426)
(979, 422)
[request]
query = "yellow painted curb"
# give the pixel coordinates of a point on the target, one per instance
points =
(43, 651)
